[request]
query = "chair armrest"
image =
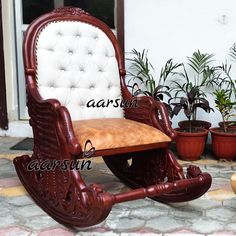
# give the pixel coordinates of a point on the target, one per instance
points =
(74, 146)
(151, 112)
(52, 112)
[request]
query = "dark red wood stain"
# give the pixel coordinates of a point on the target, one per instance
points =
(3, 103)
(63, 194)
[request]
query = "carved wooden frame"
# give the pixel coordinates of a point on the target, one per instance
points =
(64, 195)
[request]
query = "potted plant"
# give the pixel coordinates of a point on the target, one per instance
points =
(141, 71)
(223, 78)
(224, 138)
(201, 73)
(190, 141)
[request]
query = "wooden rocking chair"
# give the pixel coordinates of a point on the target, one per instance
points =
(71, 58)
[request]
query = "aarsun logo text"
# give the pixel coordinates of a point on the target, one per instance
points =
(51, 165)
(110, 102)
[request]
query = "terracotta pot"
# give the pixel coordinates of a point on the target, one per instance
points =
(233, 182)
(190, 146)
(195, 124)
(231, 124)
(224, 144)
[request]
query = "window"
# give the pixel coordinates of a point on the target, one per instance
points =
(102, 9)
(34, 8)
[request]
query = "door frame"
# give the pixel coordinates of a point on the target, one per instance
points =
(120, 11)
(3, 100)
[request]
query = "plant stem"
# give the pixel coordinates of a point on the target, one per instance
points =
(225, 126)
(195, 114)
(190, 124)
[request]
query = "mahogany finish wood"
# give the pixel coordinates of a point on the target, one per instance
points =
(120, 24)
(3, 103)
(64, 195)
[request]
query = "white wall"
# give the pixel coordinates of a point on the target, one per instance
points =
(176, 28)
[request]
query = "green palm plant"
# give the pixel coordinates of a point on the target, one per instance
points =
(199, 62)
(202, 75)
(223, 76)
(141, 71)
(232, 52)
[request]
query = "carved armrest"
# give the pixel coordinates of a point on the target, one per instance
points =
(43, 112)
(151, 112)
(72, 141)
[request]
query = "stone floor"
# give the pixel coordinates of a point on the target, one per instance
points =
(212, 214)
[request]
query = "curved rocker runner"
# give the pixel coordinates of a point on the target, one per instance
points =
(70, 58)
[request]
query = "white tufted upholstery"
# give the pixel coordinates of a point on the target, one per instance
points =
(76, 63)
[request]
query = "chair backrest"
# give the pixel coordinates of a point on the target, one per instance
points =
(76, 59)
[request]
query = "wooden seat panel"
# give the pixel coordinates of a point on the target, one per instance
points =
(118, 134)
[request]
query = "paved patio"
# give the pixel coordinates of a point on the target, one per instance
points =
(213, 214)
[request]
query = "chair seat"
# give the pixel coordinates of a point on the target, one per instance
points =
(119, 135)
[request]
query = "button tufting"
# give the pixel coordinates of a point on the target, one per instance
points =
(94, 51)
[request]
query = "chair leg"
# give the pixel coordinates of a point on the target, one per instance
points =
(64, 195)
(159, 167)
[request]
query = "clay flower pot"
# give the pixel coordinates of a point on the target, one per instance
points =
(224, 144)
(195, 124)
(190, 146)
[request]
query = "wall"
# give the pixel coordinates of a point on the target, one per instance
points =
(176, 28)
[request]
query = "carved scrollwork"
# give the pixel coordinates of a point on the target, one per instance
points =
(63, 195)
(193, 171)
(174, 169)
(147, 168)
(69, 11)
(159, 167)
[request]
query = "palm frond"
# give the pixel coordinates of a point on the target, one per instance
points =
(232, 52)
(198, 61)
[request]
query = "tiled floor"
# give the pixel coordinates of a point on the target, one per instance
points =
(213, 214)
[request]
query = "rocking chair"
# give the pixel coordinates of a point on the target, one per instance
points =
(71, 58)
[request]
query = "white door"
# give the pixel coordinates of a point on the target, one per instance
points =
(27, 10)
